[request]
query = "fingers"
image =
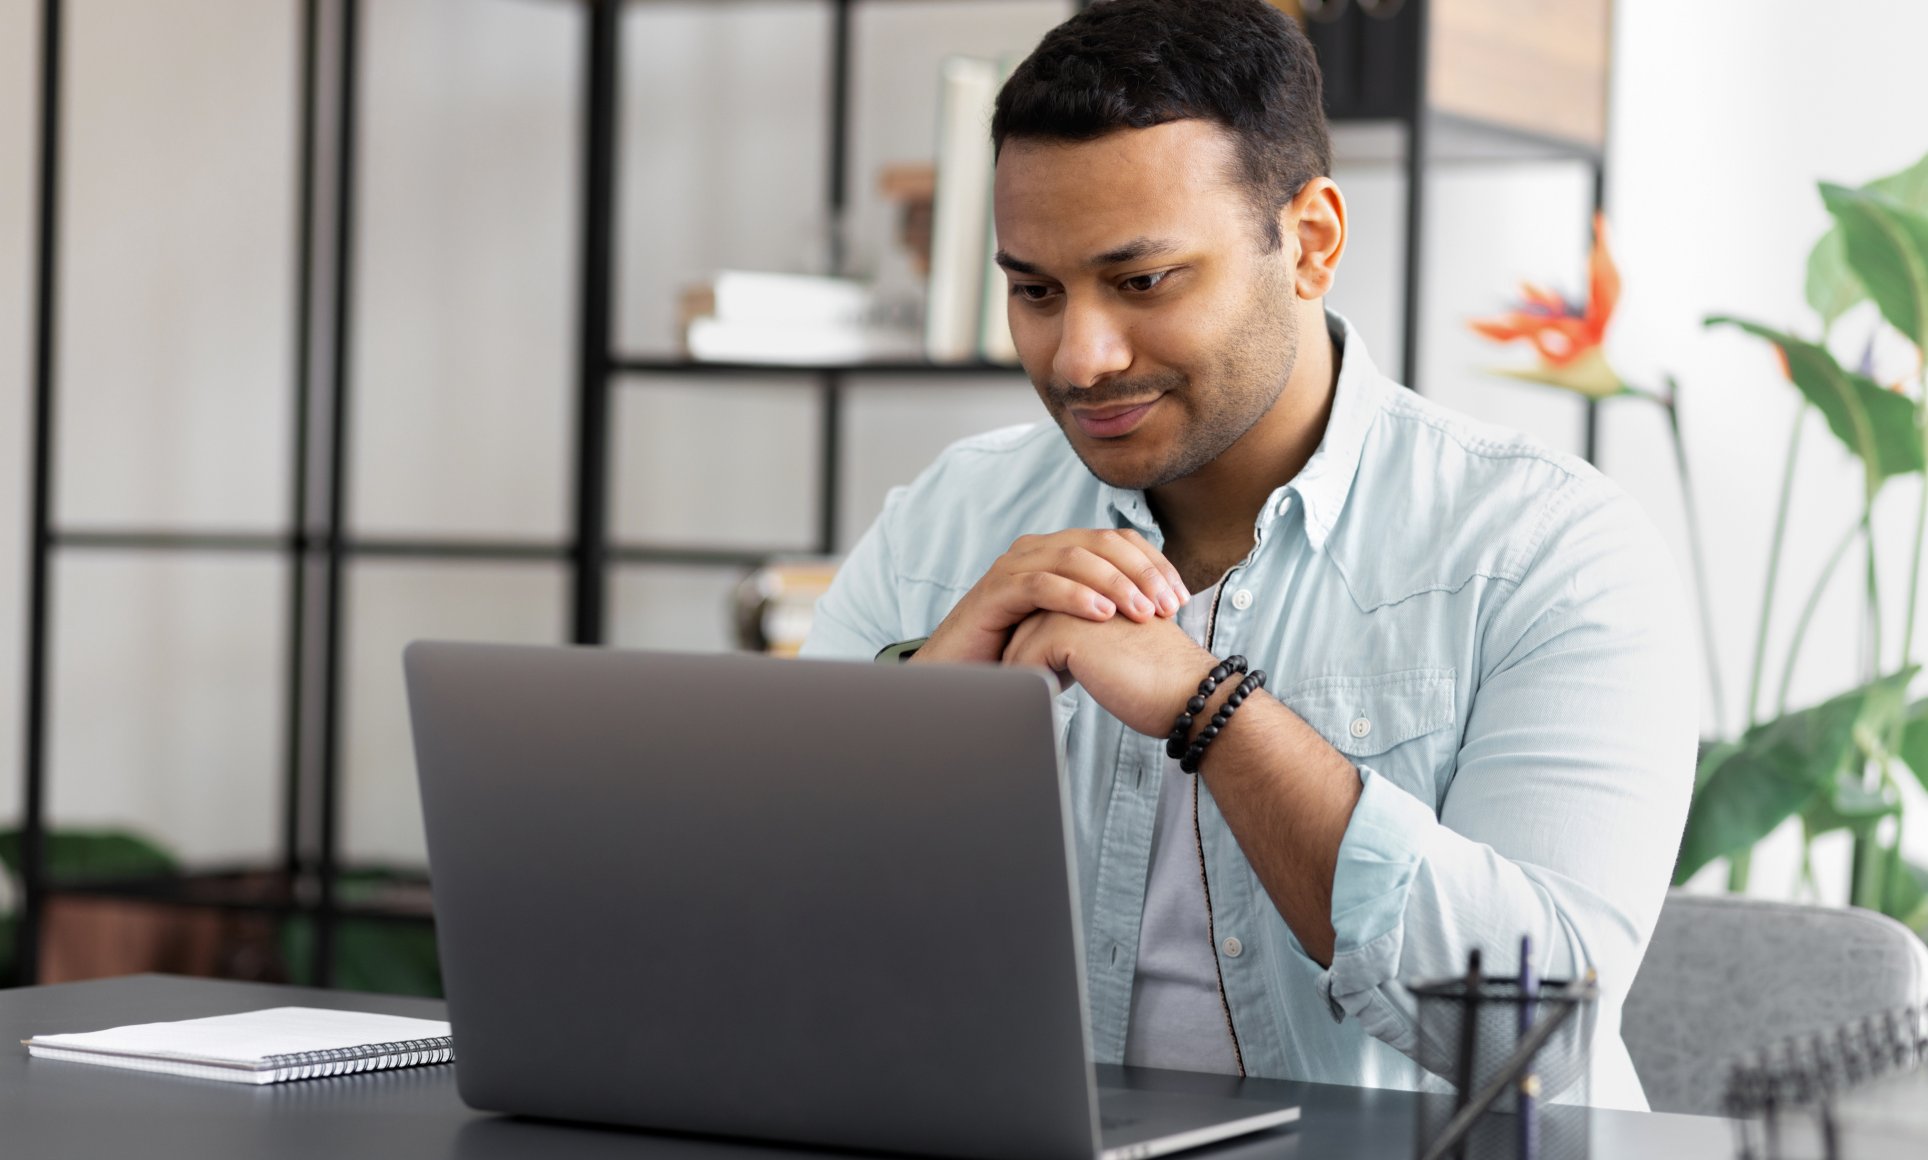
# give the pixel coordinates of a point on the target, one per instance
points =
(1118, 565)
(1029, 592)
(1166, 569)
(1030, 648)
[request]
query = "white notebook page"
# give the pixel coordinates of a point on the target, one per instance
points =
(251, 1037)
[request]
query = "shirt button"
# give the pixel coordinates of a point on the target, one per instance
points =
(1361, 726)
(1233, 948)
(1242, 599)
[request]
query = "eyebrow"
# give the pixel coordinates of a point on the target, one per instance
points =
(1135, 250)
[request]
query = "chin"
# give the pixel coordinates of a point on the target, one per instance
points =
(1128, 472)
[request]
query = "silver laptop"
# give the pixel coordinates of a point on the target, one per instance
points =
(814, 902)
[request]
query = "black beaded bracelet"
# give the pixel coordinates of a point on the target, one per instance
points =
(1175, 744)
(1253, 682)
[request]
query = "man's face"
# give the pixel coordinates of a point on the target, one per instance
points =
(1155, 329)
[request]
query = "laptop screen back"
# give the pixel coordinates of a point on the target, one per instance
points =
(809, 901)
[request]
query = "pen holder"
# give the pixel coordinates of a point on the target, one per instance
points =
(1554, 1126)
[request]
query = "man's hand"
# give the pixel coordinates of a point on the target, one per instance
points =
(1088, 573)
(1141, 673)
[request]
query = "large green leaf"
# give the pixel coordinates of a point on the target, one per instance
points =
(1846, 805)
(1832, 287)
(72, 855)
(1904, 892)
(1887, 246)
(1876, 424)
(1779, 767)
(1713, 754)
(1914, 741)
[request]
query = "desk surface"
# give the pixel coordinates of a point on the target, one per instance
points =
(58, 1110)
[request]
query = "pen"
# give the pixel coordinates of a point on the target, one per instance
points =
(1529, 1114)
(1468, 1039)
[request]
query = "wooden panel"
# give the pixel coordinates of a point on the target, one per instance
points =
(1537, 65)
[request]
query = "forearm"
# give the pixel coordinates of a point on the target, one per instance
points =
(1287, 796)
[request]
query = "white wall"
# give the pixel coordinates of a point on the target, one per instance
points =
(1726, 113)
(176, 337)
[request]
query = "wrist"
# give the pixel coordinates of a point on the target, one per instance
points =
(1209, 710)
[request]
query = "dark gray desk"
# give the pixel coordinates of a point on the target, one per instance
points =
(60, 1110)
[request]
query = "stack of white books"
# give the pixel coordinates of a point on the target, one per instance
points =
(748, 316)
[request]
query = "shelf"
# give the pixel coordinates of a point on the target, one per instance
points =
(702, 557)
(396, 548)
(650, 365)
(152, 540)
(1452, 140)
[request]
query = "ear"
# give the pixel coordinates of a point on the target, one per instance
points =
(1316, 219)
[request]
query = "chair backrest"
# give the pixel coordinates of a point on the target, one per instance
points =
(1725, 976)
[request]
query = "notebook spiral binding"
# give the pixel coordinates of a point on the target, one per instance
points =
(342, 1060)
(1804, 1074)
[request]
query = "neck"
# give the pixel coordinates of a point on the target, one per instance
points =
(1208, 516)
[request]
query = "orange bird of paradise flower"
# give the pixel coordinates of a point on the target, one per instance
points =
(1567, 336)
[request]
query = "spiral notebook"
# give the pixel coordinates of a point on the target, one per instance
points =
(267, 1046)
(1858, 1092)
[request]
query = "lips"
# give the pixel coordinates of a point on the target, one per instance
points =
(1111, 422)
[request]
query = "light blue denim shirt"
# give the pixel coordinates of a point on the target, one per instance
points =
(1490, 631)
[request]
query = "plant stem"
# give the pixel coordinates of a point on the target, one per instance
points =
(1874, 592)
(1914, 577)
(1738, 868)
(1869, 878)
(1672, 406)
(1921, 525)
(1774, 564)
(1807, 615)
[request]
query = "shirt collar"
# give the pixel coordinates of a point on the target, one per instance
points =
(1325, 482)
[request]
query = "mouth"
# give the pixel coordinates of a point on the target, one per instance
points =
(1111, 422)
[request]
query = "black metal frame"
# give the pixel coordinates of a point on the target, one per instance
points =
(317, 545)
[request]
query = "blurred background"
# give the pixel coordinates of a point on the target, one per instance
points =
(225, 784)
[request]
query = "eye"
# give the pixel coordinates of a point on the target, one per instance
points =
(1145, 283)
(1030, 291)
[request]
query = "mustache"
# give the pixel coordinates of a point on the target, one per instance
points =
(1113, 392)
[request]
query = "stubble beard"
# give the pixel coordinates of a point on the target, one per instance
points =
(1257, 363)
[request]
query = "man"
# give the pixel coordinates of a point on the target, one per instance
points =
(1480, 720)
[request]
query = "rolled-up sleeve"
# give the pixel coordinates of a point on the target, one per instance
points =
(859, 615)
(1564, 815)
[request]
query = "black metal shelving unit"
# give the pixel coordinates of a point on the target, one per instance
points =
(317, 545)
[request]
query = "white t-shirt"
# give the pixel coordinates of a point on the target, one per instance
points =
(1178, 1018)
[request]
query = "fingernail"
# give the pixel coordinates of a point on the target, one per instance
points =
(1168, 600)
(1184, 593)
(1104, 607)
(1142, 605)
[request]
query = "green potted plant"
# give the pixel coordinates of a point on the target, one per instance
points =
(1837, 765)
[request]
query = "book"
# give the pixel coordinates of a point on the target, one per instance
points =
(911, 187)
(994, 342)
(750, 296)
(961, 210)
(714, 340)
(258, 1047)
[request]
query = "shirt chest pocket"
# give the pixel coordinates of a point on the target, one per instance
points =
(1399, 724)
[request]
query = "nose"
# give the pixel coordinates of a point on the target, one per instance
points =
(1091, 344)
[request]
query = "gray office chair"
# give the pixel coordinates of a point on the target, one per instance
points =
(1726, 975)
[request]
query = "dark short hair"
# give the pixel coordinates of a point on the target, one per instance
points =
(1132, 64)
